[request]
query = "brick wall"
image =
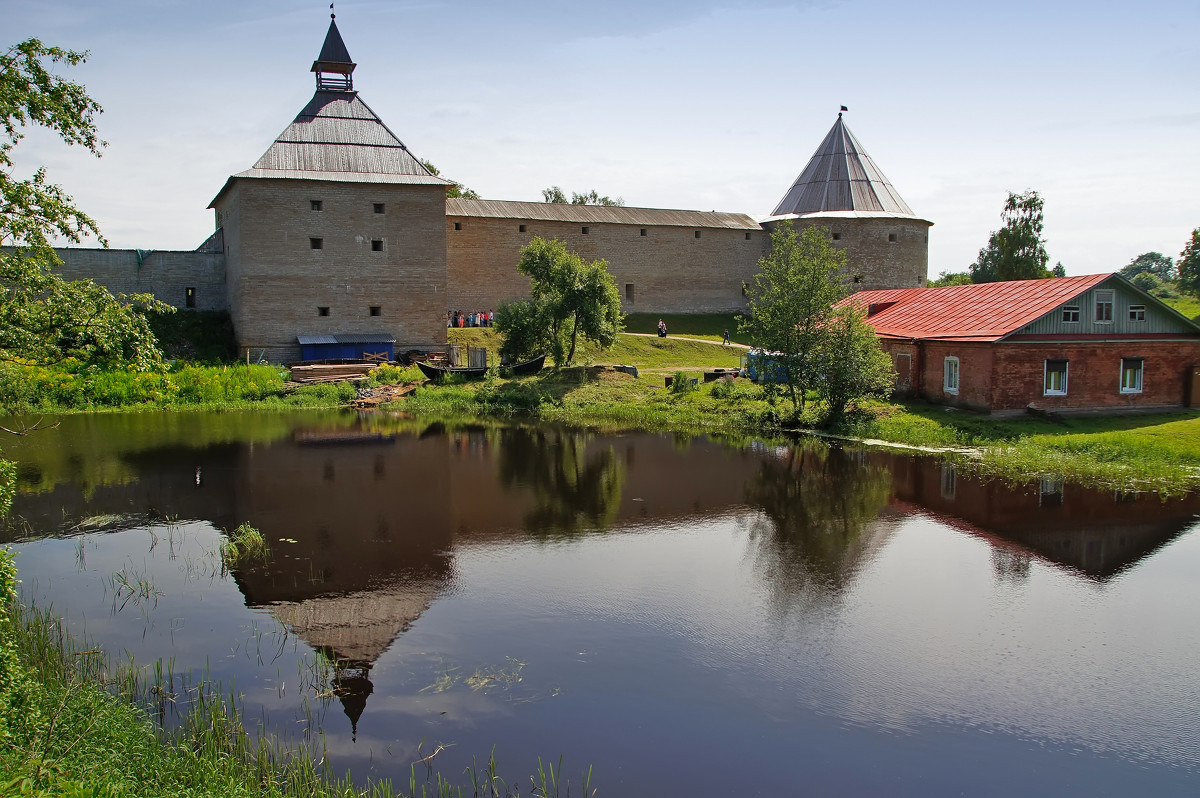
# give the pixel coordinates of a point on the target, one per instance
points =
(1093, 374)
(668, 270)
(278, 281)
(165, 273)
(1008, 377)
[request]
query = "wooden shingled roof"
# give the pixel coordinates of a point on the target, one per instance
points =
(977, 312)
(337, 137)
(841, 178)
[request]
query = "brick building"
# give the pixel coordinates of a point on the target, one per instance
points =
(339, 240)
(1065, 344)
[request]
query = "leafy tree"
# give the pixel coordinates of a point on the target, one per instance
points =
(1155, 263)
(790, 302)
(1059, 270)
(44, 318)
(951, 278)
(569, 299)
(455, 191)
(850, 362)
(555, 195)
(526, 326)
(1017, 250)
(1189, 265)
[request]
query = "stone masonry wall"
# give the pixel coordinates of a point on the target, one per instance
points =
(166, 274)
(279, 281)
(667, 270)
(872, 256)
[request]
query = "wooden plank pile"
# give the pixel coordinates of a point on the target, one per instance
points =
(340, 372)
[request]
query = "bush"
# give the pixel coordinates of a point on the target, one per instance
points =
(732, 389)
(682, 384)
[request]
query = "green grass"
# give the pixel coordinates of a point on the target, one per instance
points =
(76, 386)
(244, 545)
(700, 325)
(1160, 450)
(666, 354)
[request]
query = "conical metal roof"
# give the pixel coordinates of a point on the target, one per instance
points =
(842, 177)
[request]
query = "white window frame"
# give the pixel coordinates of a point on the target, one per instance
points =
(1070, 310)
(1105, 298)
(1139, 372)
(946, 371)
(1046, 390)
(1137, 313)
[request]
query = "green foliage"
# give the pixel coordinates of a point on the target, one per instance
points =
(851, 363)
(1189, 265)
(74, 385)
(17, 685)
(951, 278)
(555, 195)
(244, 545)
(792, 299)
(43, 317)
(1017, 250)
(731, 389)
(681, 383)
(455, 190)
(569, 299)
(1154, 264)
(8, 485)
(388, 374)
(526, 326)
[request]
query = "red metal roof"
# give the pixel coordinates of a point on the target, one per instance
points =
(982, 312)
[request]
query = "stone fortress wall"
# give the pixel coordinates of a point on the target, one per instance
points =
(380, 267)
(168, 274)
(668, 269)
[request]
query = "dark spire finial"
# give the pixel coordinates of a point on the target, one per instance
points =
(333, 66)
(331, 14)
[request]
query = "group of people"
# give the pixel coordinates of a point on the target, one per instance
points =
(475, 318)
(662, 329)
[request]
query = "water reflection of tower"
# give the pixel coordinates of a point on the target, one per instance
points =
(355, 560)
(352, 685)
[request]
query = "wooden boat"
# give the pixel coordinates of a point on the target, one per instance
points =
(531, 366)
(437, 372)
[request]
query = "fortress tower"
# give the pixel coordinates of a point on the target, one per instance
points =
(335, 240)
(841, 188)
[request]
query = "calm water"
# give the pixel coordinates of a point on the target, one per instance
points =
(686, 617)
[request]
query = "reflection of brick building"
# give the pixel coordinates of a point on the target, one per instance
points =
(339, 235)
(1071, 343)
(1096, 532)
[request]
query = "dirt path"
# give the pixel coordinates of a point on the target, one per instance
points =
(690, 338)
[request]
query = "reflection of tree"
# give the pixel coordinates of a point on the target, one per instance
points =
(573, 489)
(1010, 563)
(818, 502)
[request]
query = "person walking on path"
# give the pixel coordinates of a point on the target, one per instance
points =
(725, 337)
(662, 329)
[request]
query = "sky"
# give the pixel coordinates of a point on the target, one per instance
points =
(696, 105)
